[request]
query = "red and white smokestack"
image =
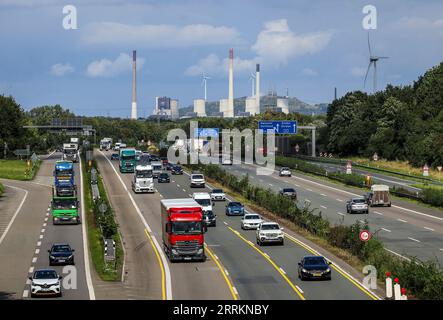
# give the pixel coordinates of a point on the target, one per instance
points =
(397, 290)
(134, 85)
(230, 111)
(388, 285)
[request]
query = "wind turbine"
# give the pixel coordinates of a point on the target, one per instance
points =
(204, 82)
(252, 79)
(373, 61)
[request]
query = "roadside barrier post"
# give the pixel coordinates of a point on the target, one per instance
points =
(403, 294)
(397, 293)
(388, 285)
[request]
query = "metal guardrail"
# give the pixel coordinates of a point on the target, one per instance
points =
(343, 162)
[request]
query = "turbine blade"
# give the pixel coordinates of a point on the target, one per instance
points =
(367, 72)
(383, 57)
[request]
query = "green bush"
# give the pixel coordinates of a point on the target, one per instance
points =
(349, 179)
(433, 196)
(301, 165)
(2, 189)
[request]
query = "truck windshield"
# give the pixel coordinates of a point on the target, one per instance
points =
(63, 173)
(204, 202)
(64, 204)
(144, 174)
(185, 227)
(69, 151)
(128, 157)
(156, 167)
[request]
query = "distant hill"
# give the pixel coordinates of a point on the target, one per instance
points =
(295, 105)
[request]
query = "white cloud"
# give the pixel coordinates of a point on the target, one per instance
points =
(309, 72)
(276, 43)
(358, 72)
(214, 66)
(61, 69)
(109, 68)
(159, 36)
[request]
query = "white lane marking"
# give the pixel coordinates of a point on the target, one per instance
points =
(34, 260)
(266, 254)
(41, 236)
(235, 290)
(281, 269)
(85, 237)
(47, 209)
(15, 213)
(226, 271)
(299, 288)
(37, 251)
(310, 190)
(414, 239)
(361, 221)
(154, 239)
(39, 243)
(25, 293)
(324, 195)
(387, 230)
(324, 207)
(43, 230)
(296, 185)
(184, 190)
(307, 200)
(271, 184)
(379, 213)
(178, 185)
(339, 200)
(398, 255)
(45, 224)
(31, 270)
(215, 256)
(46, 219)
(441, 249)
(401, 220)
(28, 281)
(430, 229)
(188, 193)
(340, 213)
(47, 214)
(225, 222)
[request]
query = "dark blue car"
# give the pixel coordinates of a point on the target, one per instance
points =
(177, 170)
(235, 209)
(314, 267)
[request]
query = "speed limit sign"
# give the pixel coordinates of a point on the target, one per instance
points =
(365, 235)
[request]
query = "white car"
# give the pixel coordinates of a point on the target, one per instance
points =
(285, 171)
(227, 162)
(251, 221)
(45, 282)
(197, 180)
(270, 232)
(218, 195)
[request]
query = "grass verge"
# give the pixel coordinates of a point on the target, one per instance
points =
(18, 170)
(95, 238)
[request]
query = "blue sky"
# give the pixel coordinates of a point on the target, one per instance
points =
(306, 46)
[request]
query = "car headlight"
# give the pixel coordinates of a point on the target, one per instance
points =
(304, 270)
(52, 257)
(33, 284)
(327, 270)
(200, 251)
(174, 251)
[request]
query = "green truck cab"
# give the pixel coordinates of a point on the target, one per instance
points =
(64, 210)
(127, 160)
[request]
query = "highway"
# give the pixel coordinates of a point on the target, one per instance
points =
(405, 228)
(24, 248)
(254, 272)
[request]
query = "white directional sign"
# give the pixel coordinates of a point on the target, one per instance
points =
(349, 167)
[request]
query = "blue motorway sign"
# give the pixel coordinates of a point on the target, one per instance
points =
(206, 132)
(283, 127)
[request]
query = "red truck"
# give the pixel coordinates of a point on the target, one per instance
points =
(183, 229)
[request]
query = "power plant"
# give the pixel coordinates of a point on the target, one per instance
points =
(134, 84)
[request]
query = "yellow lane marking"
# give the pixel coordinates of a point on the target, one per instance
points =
(333, 266)
(222, 270)
(161, 265)
(271, 262)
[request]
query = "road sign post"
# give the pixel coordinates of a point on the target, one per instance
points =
(297, 148)
(425, 170)
(439, 172)
(375, 157)
(349, 167)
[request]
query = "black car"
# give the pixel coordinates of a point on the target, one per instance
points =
(61, 253)
(314, 267)
(65, 189)
(163, 177)
(169, 166)
(210, 218)
(177, 170)
(114, 156)
(289, 192)
(153, 158)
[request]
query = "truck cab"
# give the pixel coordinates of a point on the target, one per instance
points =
(64, 171)
(143, 180)
(70, 152)
(127, 161)
(105, 144)
(64, 209)
(157, 168)
(183, 229)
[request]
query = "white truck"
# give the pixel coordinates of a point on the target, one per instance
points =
(70, 151)
(203, 199)
(157, 168)
(105, 144)
(143, 179)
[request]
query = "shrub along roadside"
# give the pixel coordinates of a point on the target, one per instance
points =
(2, 189)
(422, 279)
(96, 222)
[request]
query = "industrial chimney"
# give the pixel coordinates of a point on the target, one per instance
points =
(134, 95)
(257, 88)
(230, 111)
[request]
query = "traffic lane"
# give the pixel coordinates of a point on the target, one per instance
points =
(72, 235)
(259, 282)
(142, 273)
(190, 280)
(9, 203)
(292, 254)
(333, 208)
